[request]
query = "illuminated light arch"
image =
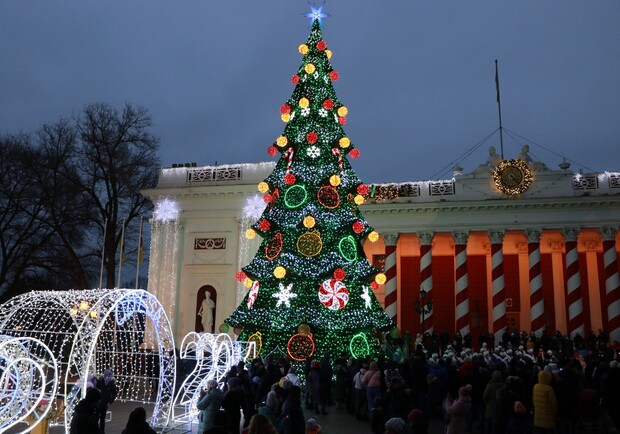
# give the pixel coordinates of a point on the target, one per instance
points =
(125, 330)
(214, 355)
(28, 381)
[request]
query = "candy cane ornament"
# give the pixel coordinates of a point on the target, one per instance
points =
(289, 152)
(339, 154)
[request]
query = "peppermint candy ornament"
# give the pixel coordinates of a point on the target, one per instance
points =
(253, 294)
(333, 294)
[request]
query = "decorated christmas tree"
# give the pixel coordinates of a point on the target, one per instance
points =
(310, 284)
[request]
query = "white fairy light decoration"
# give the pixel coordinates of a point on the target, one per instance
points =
(166, 210)
(28, 381)
(214, 355)
(125, 330)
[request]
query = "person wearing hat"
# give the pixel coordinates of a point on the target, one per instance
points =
(545, 404)
(107, 386)
(312, 426)
(520, 421)
(395, 425)
(209, 405)
(457, 410)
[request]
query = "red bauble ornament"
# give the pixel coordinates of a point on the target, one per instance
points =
(272, 150)
(321, 45)
(354, 153)
(267, 198)
(362, 189)
(339, 274)
(333, 294)
(342, 120)
(328, 197)
(333, 76)
(358, 227)
(328, 104)
(295, 79)
(264, 225)
(374, 285)
(240, 276)
(312, 137)
(285, 108)
(289, 179)
(300, 347)
(274, 246)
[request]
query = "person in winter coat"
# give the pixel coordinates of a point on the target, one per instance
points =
(359, 407)
(137, 424)
(545, 404)
(84, 420)
(490, 400)
(292, 419)
(520, 422)
(209, 405)
(457, 410)
(108, 389)
(234, 402)
(271, 408)
(372, 381)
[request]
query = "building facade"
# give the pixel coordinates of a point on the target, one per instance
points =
(543, 257)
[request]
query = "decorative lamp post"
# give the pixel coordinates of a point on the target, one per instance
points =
(423, 307)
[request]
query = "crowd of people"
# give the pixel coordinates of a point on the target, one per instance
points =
(524, 384)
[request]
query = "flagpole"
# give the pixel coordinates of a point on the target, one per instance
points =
(499, 108)
(139, 261)
(105, 229)
(120, 262)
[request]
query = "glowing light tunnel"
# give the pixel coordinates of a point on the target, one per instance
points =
(125, 330)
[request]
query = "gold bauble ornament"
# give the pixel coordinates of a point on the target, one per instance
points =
(279, 272)
(263, 187)
(281, 141)
(309, 222)
(247, 282)
(358, 199)
(373, 236)
(309, 68)
(344, 142)
(380, 278)
(328, 53)
(285, 117)
(303, 49)
(343, 111)
(304, 103)
(304, 329)
(334, 180)
(250, 234)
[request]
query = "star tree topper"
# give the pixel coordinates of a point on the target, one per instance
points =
(285, 295)
(316, 13)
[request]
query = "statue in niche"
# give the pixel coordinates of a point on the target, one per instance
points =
(206, 313)
(524, 155)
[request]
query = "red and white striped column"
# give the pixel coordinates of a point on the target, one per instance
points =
(612, 282)
(537, 302)
(462, 282)
(573, 284)
(391, 293)
(498, 289)
(426, 277)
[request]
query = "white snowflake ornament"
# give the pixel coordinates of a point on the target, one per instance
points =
(313, 151)
(285, 295)
(322, 112)
(305, 111)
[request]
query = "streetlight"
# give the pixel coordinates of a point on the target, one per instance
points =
(423, 307)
